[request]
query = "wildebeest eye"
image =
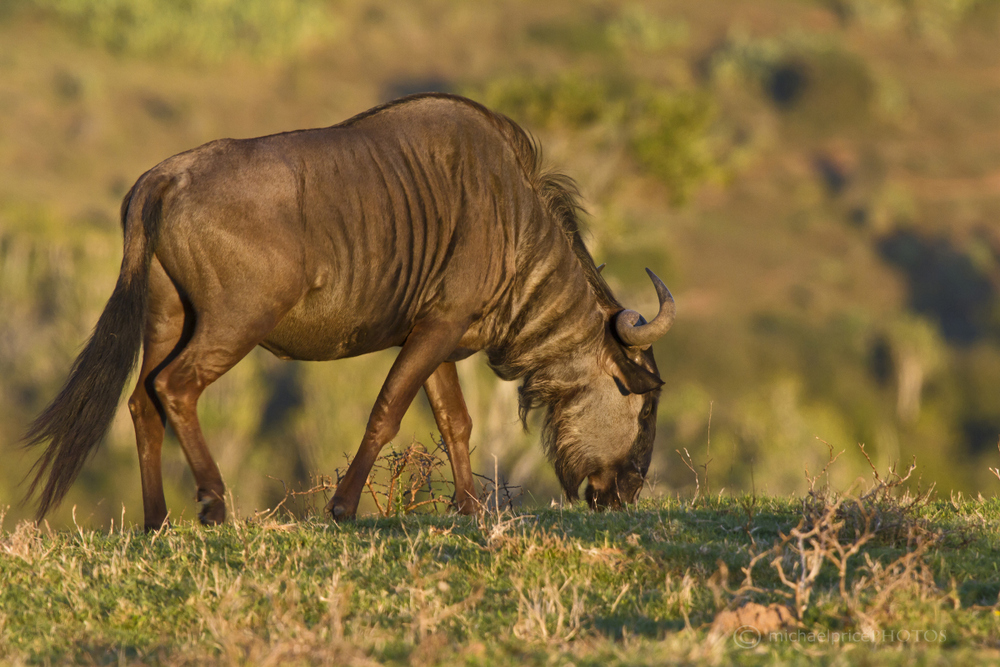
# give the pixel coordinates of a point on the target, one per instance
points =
(647, 410)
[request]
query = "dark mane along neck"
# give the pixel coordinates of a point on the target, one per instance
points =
(560, 298)
(562, 200)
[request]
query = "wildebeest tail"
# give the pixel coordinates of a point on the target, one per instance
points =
(79, 417)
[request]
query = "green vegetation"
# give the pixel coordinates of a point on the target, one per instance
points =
(665, 132)
(670, 582)
(211, 31)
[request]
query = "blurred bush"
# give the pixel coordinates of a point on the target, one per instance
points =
(814, 81)
(671, 138)
(934, 20)
(635, 27)
(668, 133)
(203, 30)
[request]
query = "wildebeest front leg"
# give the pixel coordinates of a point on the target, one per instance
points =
(453, 420)
(427, 346)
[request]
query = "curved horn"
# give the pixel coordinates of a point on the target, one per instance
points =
(633, 330)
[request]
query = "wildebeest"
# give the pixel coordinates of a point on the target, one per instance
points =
(425, 223)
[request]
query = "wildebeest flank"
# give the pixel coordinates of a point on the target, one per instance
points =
(425, 223)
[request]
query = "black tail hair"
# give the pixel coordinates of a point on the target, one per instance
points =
(78, 419)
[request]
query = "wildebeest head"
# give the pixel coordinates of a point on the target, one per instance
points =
(602, 429)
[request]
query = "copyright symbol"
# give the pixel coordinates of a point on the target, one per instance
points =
(746, 636)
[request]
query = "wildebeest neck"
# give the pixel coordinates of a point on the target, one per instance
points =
(552, 313)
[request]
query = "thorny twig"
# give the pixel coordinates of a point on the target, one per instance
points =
(996, 471)
(830, 461)
(415, 478)
(686, 458)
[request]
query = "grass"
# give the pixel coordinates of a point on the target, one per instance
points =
(653, 585)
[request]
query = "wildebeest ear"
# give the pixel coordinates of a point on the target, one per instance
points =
(630, 376)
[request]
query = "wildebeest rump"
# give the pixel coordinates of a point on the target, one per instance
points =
(426, 223)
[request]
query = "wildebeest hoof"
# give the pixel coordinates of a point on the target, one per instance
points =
(213, 511)
(468, 506)
(338, 511)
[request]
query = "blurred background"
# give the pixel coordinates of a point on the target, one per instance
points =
(818, 181)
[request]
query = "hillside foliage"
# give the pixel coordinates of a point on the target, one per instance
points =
(816, 181)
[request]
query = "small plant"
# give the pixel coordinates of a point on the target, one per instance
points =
(542, 613)
(834, 529)
(416, 479)
(689, 463)
(407, 481)
(996, 471)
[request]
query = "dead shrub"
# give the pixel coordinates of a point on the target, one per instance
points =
(403, 481)
(832, 530)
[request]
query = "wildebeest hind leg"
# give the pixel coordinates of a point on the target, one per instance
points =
(220, 340)
(453, 420)
(427, 346)
(163, 338)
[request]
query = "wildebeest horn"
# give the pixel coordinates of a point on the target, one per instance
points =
(633, 330)
(601, 267)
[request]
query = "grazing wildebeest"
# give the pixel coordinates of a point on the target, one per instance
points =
(426, 223)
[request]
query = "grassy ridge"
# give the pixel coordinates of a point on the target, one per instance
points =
(644, 587)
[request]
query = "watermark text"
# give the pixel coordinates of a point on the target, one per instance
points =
(747, 636)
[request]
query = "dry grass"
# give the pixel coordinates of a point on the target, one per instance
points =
(645, 586)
